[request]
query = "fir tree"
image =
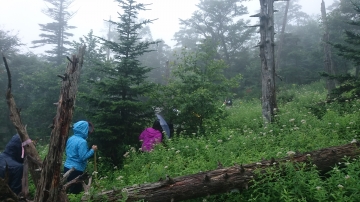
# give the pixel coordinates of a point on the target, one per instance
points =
(118, 109)
(55, 33)
(349, 87)
(351, 50)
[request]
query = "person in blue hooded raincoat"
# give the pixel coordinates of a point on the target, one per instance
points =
(77, 153)
(11, 157)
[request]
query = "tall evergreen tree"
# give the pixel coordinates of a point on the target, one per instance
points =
(55, 33)
(351, 50)
(349, 87)
(118, 110)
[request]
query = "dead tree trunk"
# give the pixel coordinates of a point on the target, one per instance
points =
(225, 179)
(328, 63)
(30, 150)
(267, 55)
(282, 37)
(50, 186)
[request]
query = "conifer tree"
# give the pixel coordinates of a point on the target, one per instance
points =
(118, 110)
(351, 50)
(349, 87)
(55, 33)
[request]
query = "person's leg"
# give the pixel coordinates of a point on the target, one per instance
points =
(74, 188)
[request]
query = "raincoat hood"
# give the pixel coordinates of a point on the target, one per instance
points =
(81, 129)
(13, 149)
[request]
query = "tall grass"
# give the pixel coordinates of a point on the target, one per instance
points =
(301, 125)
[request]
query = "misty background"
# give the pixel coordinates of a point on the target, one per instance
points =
(187, 63)
(22, 17)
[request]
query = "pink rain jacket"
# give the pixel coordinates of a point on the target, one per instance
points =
(150, 137)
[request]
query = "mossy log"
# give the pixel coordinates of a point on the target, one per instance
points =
(222, 180)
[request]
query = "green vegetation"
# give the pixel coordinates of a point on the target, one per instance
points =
(127, 75)
(241, 139)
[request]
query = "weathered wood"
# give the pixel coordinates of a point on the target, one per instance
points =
(267, 56)
(15, 118)
(328, 63)
(226, 179)
(49, 187)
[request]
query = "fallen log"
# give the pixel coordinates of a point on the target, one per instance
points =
(223, 180)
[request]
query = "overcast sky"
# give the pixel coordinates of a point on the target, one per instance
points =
(23, 16)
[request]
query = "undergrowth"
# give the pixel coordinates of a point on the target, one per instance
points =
(242, 138)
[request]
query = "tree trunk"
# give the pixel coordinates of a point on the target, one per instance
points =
(328, 63)
(267, 59)
(30, 150)
(223, 180)
(282, 36)
(49, 187)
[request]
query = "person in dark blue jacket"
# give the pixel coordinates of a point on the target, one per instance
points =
(77, 153)
(11, 158)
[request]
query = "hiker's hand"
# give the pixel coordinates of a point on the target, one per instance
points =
(94, 147)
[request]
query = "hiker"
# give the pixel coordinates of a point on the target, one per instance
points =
(77, 153)
(151, 136)
(12, 160)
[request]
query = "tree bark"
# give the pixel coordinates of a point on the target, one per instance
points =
(225, 179)
(30, 150)
(50, 187)
(328, 63)
(267, 59)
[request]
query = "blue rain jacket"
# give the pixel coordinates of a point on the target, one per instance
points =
(12, 158)
(77, 151)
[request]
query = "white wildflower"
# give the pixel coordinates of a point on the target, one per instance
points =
(290, 153)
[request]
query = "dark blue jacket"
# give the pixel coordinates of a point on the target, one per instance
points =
(12, 158)
(77, 151)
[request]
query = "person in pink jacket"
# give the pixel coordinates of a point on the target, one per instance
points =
(151, 136)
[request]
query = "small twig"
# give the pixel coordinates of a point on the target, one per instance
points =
(63, 77)
(66, 175)
(69, 59)
(95, 169)
(78, 179)
(8, 71)
(86, 186)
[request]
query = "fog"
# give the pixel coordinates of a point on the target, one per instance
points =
(23, 16)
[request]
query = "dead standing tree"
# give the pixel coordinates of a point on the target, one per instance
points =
(34, 162)
(267, 55)
(50, 185)
(328, 63)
